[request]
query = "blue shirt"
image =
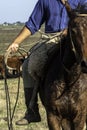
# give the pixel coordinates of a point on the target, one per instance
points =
(51, 12)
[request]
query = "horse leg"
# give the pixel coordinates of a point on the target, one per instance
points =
(53, 122)
(66, 124)
(80, 123)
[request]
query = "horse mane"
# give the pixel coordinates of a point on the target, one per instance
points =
(81, 9)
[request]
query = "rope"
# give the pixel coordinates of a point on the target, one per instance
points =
(10, 113)
(8, 104)
(9, 52)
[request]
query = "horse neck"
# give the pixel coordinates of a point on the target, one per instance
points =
(68, 55)
(71, 67)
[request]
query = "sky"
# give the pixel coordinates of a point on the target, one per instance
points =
(15, 10)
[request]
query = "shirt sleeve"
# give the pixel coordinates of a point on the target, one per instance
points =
(37, 17)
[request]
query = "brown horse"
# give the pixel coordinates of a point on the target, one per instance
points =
(64, 93)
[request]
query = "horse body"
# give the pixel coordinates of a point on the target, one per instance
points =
(65, 96)
(64, 93)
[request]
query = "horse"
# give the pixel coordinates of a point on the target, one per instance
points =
(63, 91)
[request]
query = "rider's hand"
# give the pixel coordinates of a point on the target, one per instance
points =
(63, 1)
(13, 47)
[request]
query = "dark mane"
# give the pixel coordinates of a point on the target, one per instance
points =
(81, 9)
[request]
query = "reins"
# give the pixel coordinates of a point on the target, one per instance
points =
(10, 113)
(75, 53)
(73, 49)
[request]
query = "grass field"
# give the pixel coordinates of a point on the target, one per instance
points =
(7, 34)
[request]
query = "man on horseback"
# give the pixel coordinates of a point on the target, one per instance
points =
(55, 17)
